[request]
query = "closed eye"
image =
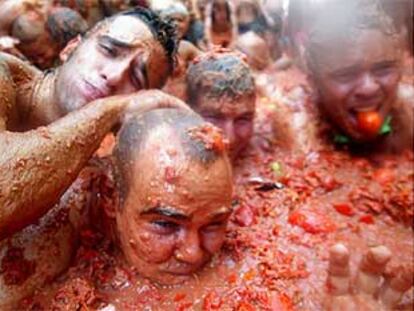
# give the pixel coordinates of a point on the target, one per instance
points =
(109, 50)
(164, 227)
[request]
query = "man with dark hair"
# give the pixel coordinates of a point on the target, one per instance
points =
(221, 88)
(62, 115)
(163, 197)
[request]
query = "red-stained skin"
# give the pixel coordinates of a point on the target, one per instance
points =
(234, 116)
(98, 68)
(170, 249)
(267, 262)
(30, 99)
(360, 77)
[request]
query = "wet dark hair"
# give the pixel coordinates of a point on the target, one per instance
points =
(137, 130)
(64, 24)
(164, 30)
(217, 74)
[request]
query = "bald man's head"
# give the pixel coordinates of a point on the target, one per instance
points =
(182, 131)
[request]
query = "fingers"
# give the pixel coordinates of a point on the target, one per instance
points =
(371, 269)
(396, 284)
(338, 274)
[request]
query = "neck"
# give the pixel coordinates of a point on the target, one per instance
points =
(45, 107)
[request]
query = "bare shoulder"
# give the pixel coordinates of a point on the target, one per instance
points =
(188, 51)
(21, 71)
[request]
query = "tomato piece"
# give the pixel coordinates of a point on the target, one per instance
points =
(244, 216)
(211, 301)
(249, 275)
(184, 306)
(245, 306)
(312, 222)
(232, 278)
(286, 302)
(367, 219)
(344, 209)
(369, 122)
(384, 176)
(179, 296)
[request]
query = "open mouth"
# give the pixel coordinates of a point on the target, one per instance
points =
(355, 111)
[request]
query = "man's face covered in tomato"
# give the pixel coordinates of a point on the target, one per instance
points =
(221, 89)
(176, 194)
(357, 75)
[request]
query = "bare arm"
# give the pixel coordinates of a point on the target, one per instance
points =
(39, 165)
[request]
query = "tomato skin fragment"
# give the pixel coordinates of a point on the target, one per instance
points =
(344, 209)
(312, 222)
(367, 219)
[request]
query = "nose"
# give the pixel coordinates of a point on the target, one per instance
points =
(114, 74)
(368, 87)
(229, 132)
(190, 250)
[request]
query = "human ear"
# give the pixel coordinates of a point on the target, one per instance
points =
(69, 48)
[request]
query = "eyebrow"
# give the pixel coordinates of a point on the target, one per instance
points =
(222, 211)
(166, 211)
(385, 63)
(116, 42)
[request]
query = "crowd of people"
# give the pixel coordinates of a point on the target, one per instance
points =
(206, 154)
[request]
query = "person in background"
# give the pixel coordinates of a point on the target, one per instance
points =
(220, 24)
(221, 88)
(355, 63)
(179, 14)
(39, 33)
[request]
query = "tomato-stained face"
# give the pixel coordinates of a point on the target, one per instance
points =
(358, 82)
(173, 219)
(233, 115)
(120, 57)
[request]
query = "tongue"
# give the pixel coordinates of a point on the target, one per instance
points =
(369, 122)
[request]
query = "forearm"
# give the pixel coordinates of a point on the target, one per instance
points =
(38, 166)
